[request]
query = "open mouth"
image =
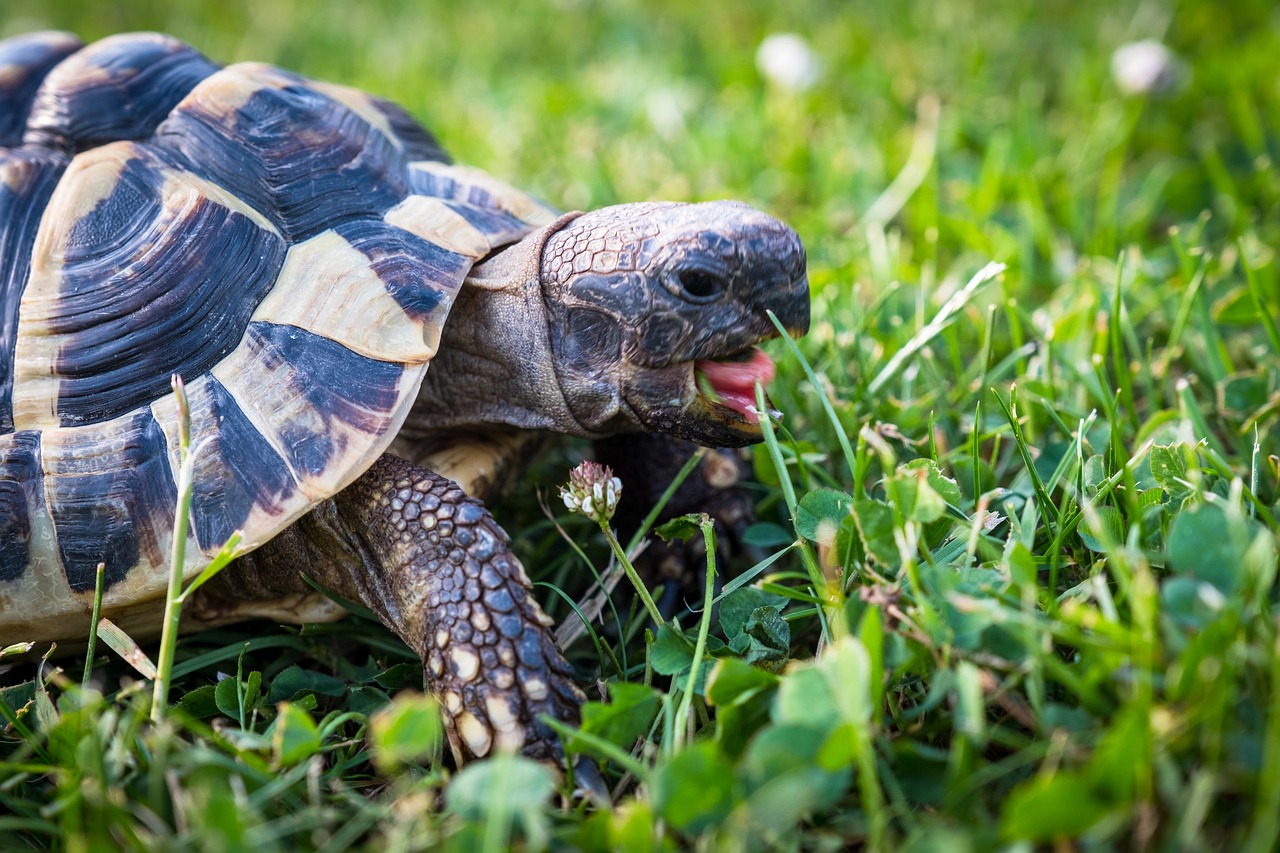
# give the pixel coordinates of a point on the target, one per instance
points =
(710, 401)
(729, 382)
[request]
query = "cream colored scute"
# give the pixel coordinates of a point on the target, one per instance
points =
(191, 189)
(30, 604)
(224, 92)
(91, 178)
(328, 287)
(82, 70)
(262, 522)
(433, 220)
(49, 609)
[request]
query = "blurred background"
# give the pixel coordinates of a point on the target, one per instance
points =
(1119, 156)
(1015, 137)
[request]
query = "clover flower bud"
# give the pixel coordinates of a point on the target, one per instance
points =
(787, 61)
(593, 491)
(1145, 67)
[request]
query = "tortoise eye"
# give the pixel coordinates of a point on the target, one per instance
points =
(700, 285)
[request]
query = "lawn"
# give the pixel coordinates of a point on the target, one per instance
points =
(1017, 529)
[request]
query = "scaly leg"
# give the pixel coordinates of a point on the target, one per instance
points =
(439, 571)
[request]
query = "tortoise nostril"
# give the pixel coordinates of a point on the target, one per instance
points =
(700, 284)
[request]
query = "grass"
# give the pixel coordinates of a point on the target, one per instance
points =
(1026, 589)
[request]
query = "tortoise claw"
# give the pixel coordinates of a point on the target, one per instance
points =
(437, 569)
(588, 784)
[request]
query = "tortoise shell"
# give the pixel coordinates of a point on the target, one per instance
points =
(291, 248)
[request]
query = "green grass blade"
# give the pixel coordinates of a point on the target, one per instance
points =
(944, 316)
(837, 427)
(1255, 291)
(229, 551)
(93, 623)
(1042, 496)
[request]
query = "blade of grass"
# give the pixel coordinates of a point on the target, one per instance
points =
(704, 628)
(944, 316)
(1115, 333)
(923, 149)
(605, 747)
(230, 550)
(807, 556)
(836, 426)
(177, 559)
(93, 624)
(1264, 829)
(752, 573)
(122, 644)
(681, 475)
(1255, 290)
(1042, 497)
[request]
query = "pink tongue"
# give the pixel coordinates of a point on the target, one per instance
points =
(735, 381)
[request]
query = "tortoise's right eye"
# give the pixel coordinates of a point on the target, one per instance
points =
(699, 285)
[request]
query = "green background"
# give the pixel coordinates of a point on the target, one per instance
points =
(1099, 663)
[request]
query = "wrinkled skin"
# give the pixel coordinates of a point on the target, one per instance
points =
(590, 327)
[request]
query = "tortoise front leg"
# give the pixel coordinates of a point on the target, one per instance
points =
(439, 571)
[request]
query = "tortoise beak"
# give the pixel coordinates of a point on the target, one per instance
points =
(656, 309)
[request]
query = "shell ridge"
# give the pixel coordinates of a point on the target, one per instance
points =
(118, 88)
(27, 181)
(24, 63)
(292, 248)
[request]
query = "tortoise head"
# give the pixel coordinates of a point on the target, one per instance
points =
(654, 312)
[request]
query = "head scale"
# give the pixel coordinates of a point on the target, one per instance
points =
(636, 294)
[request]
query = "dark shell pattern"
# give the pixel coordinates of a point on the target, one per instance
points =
(289, 247)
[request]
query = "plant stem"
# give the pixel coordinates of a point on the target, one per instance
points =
(93, 624)
(630, 570)
(178, 554)
(704, 627)
(692, 462)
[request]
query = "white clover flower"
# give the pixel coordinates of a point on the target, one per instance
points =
(667, 109)
(593, 491)
(787, 61)
(1144, 67)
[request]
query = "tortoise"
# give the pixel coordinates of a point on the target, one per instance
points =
(300, 252)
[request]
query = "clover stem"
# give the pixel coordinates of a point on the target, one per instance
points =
(632, 575)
